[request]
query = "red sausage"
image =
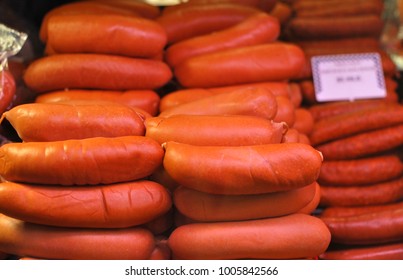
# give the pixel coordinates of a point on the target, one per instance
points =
(304, 121)
(251, 64)
(288, 237)
(259, 28)
(95, 71)
(37, 122)
(112, 34)
(141, 8)
(361, 171)
(91, 161)
(313, 204)
(223, 130)
(345, 211)
(242, 169)
(257, 101)
(207, 207)
(392, 251)
(202, 20)
(47, 242)
(105, 206)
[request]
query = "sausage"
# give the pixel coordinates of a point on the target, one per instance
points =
(305, 28)
(83, 8)
(95, 71)
(7, 90)
(147, 100)
(90, 161)
(331, 109)
(304, 121)
(356, 44)
(118, 205)
(282, 11)
(351, 123)
(271, 238)
(346, 211)
(259, 28)
(250, 64)
(161, 224)
(242, 169)
(162, 177)
(182, 96)
(291, 136)
(207, 207)
(363, 144)
(219, 130)
(112, 34)
(37, 122)
(392, 251)
(367, 229)
(369, 170)
(161, 250)
(257, 101)
(361, 195)
(143, 9)
(313, 204)
(44, 242)
(202, 20)
(285, 111)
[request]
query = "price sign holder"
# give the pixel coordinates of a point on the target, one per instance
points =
(348, 77)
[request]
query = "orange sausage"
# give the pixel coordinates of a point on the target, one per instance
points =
(251, 64)
(361, 195)
(162, 177)
(345, 211)
(282, 11)
(351, 123)
(392, 251)
(105, 206)
(83, 8)
(7, 90)
(148, 100)
(369, 170)
(90, 161)
(112, 34)
(95, 71)
(202, 20)
(141, 8)
(363, 144)
(56, 121)
(257, 101)
(291, 136)
(242, 169)
(44, 242)
(161, 224)
(223, 130)
(288, 237)
(187, 95)
(259, 28)
(285, 111)
(367, 229)
(313, 204)
(207, 207)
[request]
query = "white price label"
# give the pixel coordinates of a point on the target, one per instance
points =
(348, 77)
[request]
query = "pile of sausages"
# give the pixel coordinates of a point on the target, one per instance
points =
(154, 139)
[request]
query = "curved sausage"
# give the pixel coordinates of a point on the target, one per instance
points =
(95, 71)
(288, 237)
(46, 242)
(250, 64)
(345, 211)
(219, 130)
(207, 207)
(37, 122)
(118, 205)
(242, 169)
(392, 251)
(90, 161)
(304, 121)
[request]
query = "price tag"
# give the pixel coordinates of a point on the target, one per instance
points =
(348, 77)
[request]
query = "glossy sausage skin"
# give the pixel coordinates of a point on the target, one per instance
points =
(46, 242)
(104, 206)
(288, 237)
(37, 122)
(228, 130)
(242, 169)
(206, 207)
(98, 160)
(95, 71)
(392, 251)
(251, 64)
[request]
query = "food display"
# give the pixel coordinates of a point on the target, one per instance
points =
(193, 132)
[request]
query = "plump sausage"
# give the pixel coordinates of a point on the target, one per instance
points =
(392, 251)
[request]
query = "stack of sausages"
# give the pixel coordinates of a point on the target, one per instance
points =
(330, 28)
(361, 177)
(75, 184)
